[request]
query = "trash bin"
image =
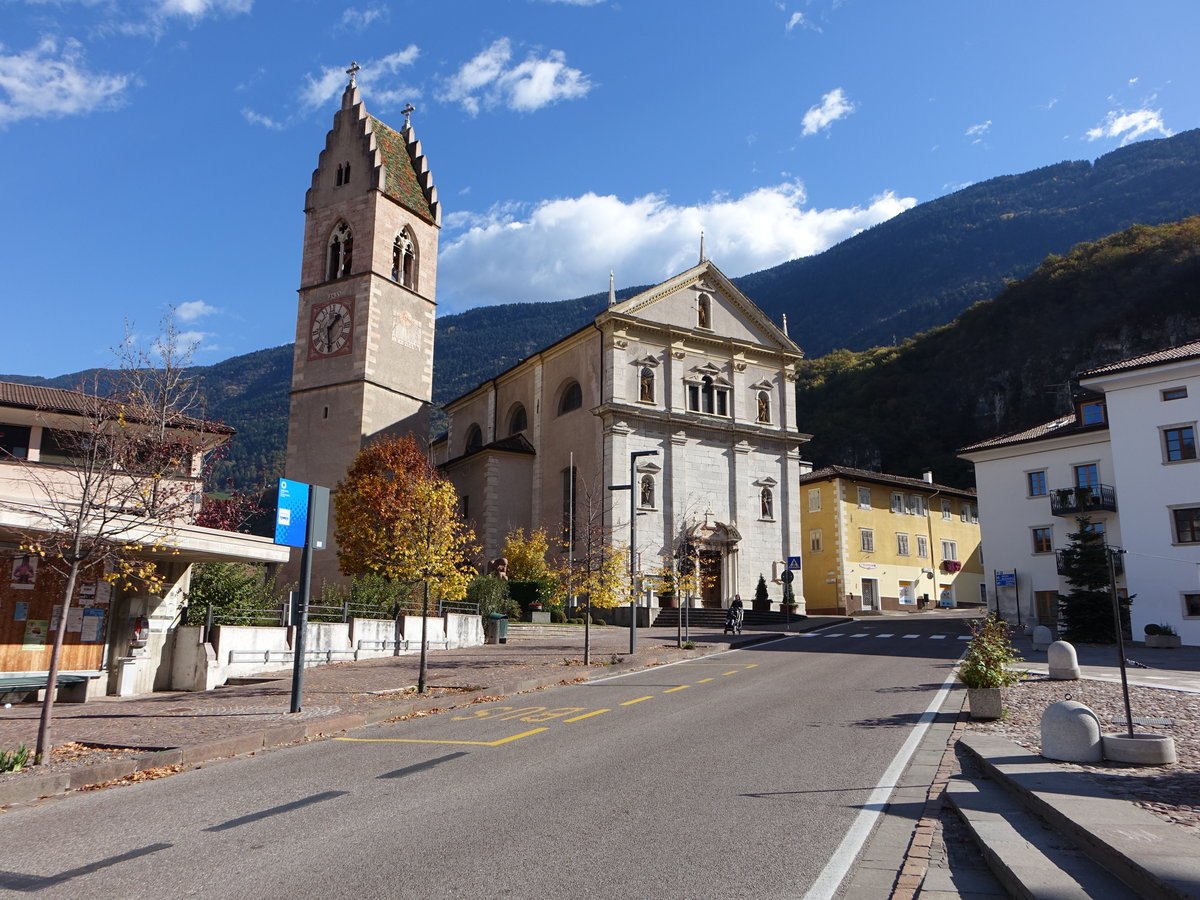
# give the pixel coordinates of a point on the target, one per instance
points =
(495, 629)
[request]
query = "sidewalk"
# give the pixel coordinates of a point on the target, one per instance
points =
(175, 728)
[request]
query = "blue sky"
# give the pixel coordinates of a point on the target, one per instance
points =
(156, 152)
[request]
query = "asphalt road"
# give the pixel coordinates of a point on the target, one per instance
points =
(737, 775)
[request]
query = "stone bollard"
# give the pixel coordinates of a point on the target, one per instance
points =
(1071, 732)
(1042, 637)
(1064, 665)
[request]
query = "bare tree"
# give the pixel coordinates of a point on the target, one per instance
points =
(132, 477)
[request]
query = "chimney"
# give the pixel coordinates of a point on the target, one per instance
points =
(927, 476)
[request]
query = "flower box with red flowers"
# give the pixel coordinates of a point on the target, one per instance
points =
(951, 565)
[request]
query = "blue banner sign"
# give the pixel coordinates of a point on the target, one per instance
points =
(291, 513)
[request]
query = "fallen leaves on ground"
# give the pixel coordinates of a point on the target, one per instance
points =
(135, 777)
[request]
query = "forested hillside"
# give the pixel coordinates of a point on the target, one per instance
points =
(1005, 364)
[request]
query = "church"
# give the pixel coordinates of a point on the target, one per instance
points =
(680, 398)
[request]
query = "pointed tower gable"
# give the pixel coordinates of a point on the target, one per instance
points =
(704, 300)
(405, 172)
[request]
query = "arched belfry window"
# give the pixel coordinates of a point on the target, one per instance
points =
(404, 258)
(646, 493)
(343, 174)
(474, 439)
(646, 385)
(768, 503)
(341, 250)
(518, 421)
(572, 398)
(704, 311)
(764, 407)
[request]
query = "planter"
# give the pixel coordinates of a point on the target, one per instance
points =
(985, 703)
(789, 608)
(668, 601)
(761, 605)
(1164, 641)
(1143, 749)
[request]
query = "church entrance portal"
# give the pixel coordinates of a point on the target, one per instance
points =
(710, 571)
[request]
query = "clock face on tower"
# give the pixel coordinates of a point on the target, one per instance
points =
(331, 328)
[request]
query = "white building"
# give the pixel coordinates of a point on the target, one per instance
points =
(689, 372)
(1126, 458)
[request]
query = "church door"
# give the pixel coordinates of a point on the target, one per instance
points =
(710, 570)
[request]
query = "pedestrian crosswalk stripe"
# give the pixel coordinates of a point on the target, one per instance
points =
(885, 635)
(864, 634)
(909, 637)
(937, 637)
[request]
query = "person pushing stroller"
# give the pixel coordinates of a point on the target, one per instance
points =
(734, 616)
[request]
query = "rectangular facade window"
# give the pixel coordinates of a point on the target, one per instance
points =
(902, 544)
(864, 498)
(1043, 540)
(1191, 606)
(1179, 443)
(1187, 525)
(59, 448)
(693, 394)
(947, 510)
(917, 505)
(950, 550)
(1178, 393)
(964, 511)
(1087, 476)
(14, 441)
(815, 540)
(1092, 412)
(974, 513)
(1037, 483)
(922, 546)
(897, 503)
(907, 594)
(1047, 606)
(866, 538)
(814, 499)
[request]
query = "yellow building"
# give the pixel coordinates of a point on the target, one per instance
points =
(884, 542)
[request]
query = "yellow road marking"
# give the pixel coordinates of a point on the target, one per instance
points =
(638, 700)
(702, 680)
(507, 740)
(734, 672)
(674, 689)
(751, 665)
(587, 715)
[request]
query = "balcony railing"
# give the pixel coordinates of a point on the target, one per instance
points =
(1060, 564)
(1073, 501)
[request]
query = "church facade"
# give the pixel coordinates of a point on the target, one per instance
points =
(683, 394)
(363, 361)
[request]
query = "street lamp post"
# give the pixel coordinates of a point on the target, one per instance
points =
(632, 488)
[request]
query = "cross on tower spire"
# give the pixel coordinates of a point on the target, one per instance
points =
(352, 71)
(408, 110)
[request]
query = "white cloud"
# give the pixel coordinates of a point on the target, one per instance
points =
(833, 106)
(796, 19)
(1129, 126)
(362, 19)
(487, 80)
(196, 9)
(565, 248)
(193, 309)
(256, 118)
(46, 82)
(977, 130)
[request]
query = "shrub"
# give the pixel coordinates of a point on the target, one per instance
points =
(14, 760)
(492, 596)
(760, 591)
(989, 656)
(1154, 629)
(557, 616)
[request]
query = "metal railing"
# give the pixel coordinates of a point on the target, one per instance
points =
(1091, 498)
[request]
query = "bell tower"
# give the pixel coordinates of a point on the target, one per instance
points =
(363, 359)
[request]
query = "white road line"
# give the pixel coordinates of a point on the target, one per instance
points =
(937, 637)
(885, 635)
(964, 637)
(909, 637)
(833, 635)
(864, 634)
(835, 871)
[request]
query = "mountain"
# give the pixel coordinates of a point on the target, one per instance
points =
(1007, 363)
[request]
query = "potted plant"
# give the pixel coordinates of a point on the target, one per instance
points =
(789, 604)
(663, 583)
(1162, 636)
(762, 602)
(985, 669)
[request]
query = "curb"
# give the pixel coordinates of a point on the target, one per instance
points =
(41, 787)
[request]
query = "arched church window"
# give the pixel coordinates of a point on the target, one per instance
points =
(768, 503)
(338, 183)
(646, 385)
(346, 177)
(518, 421)
(764, 407)
(404, 255)
(474, 439)
(646, 495)
(341, 249)
(572, 398)
(704, 311)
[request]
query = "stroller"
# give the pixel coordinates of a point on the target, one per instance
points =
(733, 617)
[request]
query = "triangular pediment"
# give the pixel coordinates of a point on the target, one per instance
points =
(702, 299)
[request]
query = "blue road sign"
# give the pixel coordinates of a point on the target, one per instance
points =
(291, 513)
(1006, 579)
(794, 563)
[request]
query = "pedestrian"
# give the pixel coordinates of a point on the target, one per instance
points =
(734, 615)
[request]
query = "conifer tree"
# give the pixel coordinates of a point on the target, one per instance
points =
(1085, 612)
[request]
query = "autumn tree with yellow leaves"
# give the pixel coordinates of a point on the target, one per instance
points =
(397, 517)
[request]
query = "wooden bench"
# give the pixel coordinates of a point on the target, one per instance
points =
(71, 688)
